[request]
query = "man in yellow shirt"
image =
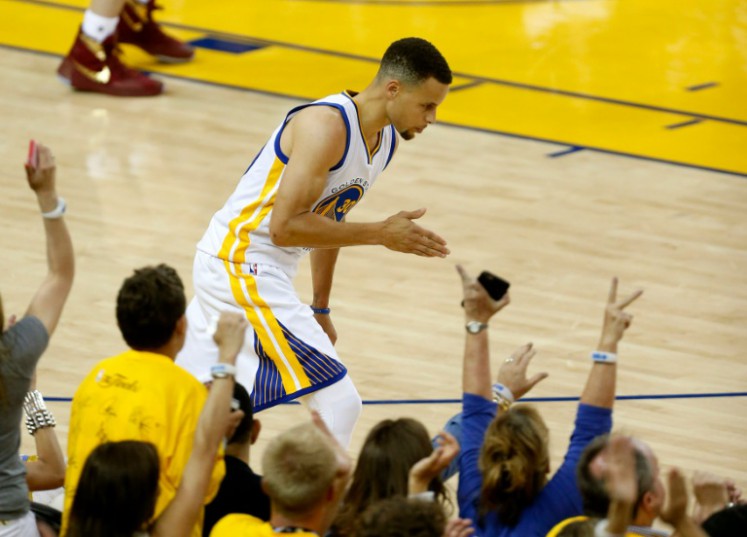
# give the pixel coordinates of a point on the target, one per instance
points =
(142, 394)
(305, 475)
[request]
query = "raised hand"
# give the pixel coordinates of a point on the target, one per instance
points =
(478, 306)
(459, 527)
(675, 512)
(229, 335)
(616, 319)
(430, 467)
(42, 177)
(619, 473)
(401, 234)
(513, 372)
(711, 494)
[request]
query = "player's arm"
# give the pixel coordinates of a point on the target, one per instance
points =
(315, 141)
(323, 263)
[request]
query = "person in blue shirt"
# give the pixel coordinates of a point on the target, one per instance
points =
(503, 485)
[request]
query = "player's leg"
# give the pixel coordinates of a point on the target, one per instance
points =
(137, 26)
(339, 406)
(93, 63)
(213, 296)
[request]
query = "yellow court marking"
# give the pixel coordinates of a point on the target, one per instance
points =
(663, 80)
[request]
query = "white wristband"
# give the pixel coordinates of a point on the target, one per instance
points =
(221, 371)
(604, 357)
(499, 390)
(58, 211)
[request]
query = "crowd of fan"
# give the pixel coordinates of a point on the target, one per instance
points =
(146, 447)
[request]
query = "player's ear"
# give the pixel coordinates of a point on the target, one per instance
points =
(393, 88)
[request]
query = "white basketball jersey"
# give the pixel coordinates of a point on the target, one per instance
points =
(240, 231)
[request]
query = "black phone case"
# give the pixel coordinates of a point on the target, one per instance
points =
(496, 286)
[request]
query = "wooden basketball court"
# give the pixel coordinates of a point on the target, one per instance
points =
(582, 139)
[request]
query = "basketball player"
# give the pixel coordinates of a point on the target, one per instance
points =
(293, 198)
(93, 63)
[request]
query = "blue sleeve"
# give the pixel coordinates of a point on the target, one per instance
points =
(478, 412)
(561, 499)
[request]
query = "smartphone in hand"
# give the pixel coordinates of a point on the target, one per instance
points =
(496, 286)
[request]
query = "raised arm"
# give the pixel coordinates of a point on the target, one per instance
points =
(323, 263)
(52, 293)
(182, 513)
(478, 308)
(600, 385)
(315, 140)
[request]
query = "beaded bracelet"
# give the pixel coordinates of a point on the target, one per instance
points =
(37, 415)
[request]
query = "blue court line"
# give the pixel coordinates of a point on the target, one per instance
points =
(497, 81)
(444, 123)
(684, 124)
(644, 397)
(699, 87)
(564, 152)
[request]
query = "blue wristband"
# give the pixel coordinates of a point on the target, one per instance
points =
(320, 311)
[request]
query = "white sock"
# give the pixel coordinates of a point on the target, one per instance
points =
(97, 27)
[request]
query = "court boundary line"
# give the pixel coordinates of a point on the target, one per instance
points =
(473, 78)
(561, 399)
(442, 123)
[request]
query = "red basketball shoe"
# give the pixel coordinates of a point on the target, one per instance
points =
(92, 66)
(136, 26)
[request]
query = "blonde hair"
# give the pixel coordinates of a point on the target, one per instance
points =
(299, 466)
(514, 462)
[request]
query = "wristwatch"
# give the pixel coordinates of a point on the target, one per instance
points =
(475, 327)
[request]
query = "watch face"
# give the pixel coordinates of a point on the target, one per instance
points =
(475, 327)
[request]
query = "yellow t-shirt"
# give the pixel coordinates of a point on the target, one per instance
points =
(139, 396)
(246, 526)
(560, 525)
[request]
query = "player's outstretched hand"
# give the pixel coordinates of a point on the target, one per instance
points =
(401, 234)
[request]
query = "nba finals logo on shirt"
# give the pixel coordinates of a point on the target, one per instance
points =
(339, 204)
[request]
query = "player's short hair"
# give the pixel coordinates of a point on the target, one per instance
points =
(149, 304)
(413, 60)
(299, 466)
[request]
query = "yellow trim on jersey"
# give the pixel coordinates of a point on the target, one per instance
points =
(288, 375)
(233, 253)
(242, 237)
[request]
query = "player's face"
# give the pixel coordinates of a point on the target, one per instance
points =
(413, 107)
